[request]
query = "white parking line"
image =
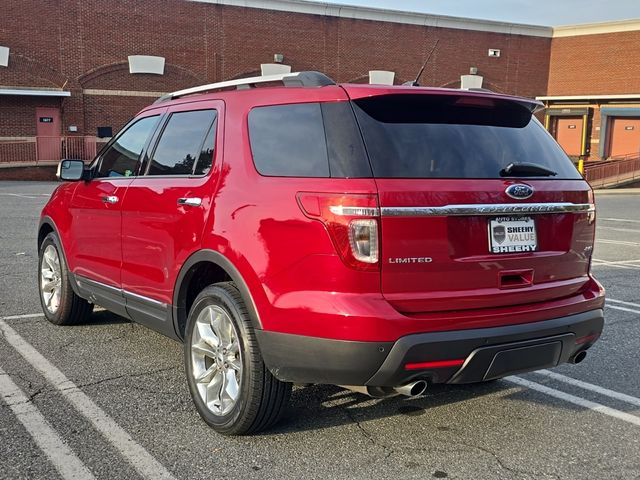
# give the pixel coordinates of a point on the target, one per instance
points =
(582, 402)
(622, 302)
(618, 242)
(623, 309)
(606, 263)
(140, 459)
(26, 195)
(626, 220)
(619, 262)
(63, 459)
(615, 229)
(623, 397)
(17, 317)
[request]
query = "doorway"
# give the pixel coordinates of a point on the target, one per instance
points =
(48, 131)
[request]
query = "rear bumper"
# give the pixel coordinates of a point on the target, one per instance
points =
(462, 356)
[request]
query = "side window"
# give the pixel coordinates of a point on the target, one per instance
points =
(122, 156)
(183, 148)
(289, 141)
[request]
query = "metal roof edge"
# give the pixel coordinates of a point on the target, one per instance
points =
(385, 15)
(617, 26)
(624, 96)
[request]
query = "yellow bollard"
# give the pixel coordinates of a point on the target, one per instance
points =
(581, 166)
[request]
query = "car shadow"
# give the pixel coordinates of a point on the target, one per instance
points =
(100, 316)
(317, 407)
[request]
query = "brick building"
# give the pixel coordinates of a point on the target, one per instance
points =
(593, 93)
(65, 69)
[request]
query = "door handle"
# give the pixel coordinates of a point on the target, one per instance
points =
(112, 199)
(190, 202)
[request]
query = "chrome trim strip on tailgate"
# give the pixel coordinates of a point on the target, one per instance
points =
(341, 210)
(488, 209)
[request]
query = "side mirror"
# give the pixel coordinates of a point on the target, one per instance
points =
(71, 170)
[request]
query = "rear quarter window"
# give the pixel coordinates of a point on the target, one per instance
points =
(289, 141)
(308, 140)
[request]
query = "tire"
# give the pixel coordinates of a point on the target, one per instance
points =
(60, 304)
(233, 391)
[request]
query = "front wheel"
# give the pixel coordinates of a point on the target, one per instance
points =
(231, 387)
(60, 304)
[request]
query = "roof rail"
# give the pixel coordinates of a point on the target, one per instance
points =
(296, 79)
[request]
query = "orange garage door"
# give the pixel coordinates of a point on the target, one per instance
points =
(568, 133)
(625, 136)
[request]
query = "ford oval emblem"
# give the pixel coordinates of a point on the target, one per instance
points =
(519, 191)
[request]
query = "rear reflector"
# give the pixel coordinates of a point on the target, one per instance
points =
(438, 364)
(589, 338)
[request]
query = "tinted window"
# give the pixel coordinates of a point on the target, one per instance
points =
(181, 143)
(289, 140)
(347, 156)
(121, 158)
(205, 160)
(451, 136)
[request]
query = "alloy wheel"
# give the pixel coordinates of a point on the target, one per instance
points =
(216, 360)
(51, 279)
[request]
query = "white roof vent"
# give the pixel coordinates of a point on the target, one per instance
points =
(4, 56)
(274, 69)
(471, 81)
(381, 77)
(146, 64)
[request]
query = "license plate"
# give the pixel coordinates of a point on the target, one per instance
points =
(512, 234)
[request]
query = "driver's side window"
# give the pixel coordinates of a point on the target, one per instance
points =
(122, 158)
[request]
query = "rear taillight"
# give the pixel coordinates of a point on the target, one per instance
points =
(591, 218)
(352, 221)
(592, 212)
(363, 237)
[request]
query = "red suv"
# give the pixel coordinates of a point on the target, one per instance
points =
(291, 230)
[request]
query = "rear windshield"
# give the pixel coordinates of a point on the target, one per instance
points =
(452, 136)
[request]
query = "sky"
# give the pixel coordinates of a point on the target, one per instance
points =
(533, 12)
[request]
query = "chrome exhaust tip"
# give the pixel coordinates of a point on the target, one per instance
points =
(578, 357)
(413, 389)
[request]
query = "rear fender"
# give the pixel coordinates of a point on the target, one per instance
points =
(179, 294)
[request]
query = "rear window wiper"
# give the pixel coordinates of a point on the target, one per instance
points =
(526, 170)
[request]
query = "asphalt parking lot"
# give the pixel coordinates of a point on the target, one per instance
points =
(110, 400)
